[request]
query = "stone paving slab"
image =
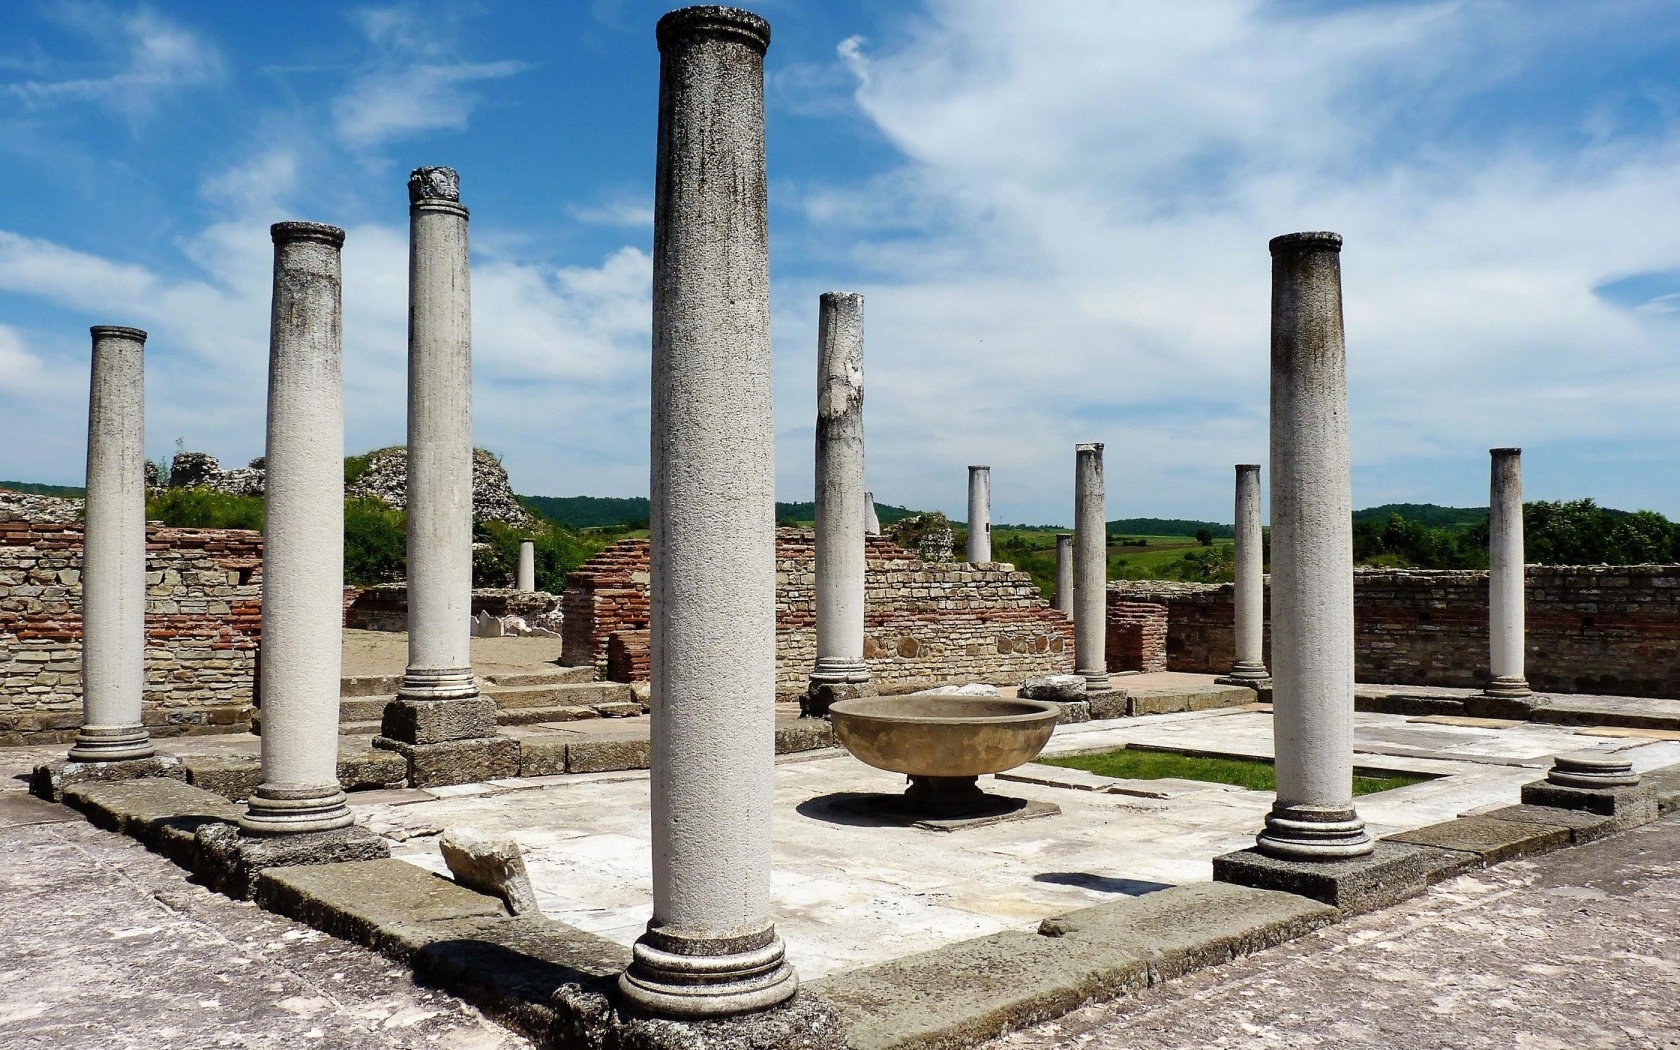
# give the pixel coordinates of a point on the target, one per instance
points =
(354, 900)
(1583, 826)
(1393, 872)
(1492, 839)
(18, 809)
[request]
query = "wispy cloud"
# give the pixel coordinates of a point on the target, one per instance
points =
(157, 58)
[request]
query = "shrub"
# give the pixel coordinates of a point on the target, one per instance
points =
(375, 542)
(200, 508)
(558, 551)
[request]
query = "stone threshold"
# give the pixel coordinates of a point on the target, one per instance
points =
(1563, 709)
(556, 984)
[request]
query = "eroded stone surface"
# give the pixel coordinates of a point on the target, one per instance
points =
(490, 864)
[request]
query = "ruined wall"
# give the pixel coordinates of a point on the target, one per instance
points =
(1137, 635)
(1591, 628)
(384, 607)
(924, 623)
(203, 622)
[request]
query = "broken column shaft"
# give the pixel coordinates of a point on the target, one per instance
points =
(1249, 590)
(114, 553)
(1506, 593)
(527, 576)
(303, 539)
(1090, 569)
(979, 515)
(1064, 572)
(841, 503)
(1312, 558)
(711, 948)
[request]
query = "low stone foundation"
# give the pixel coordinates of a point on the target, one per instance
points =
(384, 607)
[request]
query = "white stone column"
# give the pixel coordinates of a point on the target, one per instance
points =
(840, 671)
(1064, 572)
(871, 520)
(1506, 594)
(979, 515)
(114, 553)
(711, 948)
(527, 566)
(1249, 592)
(1090, 569)
(440, 448)
(1312, 558)
(303, 539)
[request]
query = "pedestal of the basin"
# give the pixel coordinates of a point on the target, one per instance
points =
(949, 797)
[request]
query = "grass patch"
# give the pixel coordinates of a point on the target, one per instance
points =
(1138, 764)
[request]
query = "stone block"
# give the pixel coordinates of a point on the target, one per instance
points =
(438, 721)
(1391, 873)
(1629, 806)
(1073, 711)
(19, 810)
(1583, 826)
(356, 900)
(803, 734)
(233, 777)
(50, 779)
(164, 814)
(1166, 703)
(1064, 688)
(607, 754)
(1481, 705)
(232, 862)
(1664, 786)
(490, 864)
(457, 761)
(541, 756)
(1109, 703)
(1495, 841)
(370, 769)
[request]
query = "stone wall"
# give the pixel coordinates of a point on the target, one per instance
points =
(1137, 635)
(1591, 628)
(384, 607)
(924, 623)
(203, 623)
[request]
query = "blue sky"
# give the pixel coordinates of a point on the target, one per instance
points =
(1058, 215)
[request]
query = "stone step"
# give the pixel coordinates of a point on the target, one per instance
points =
(585, 694)
(548, 676)
(524, 716)
(362, 708)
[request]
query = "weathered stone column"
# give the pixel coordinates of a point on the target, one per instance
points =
(840, 672)
(979, 515)
(1506, 593)
(114, 553)
(871, 520)
(711, 948)
(1312, 558)
(303, 539)
(527, 580)
(1249, 594)
(1090, 569)
(1064, 572)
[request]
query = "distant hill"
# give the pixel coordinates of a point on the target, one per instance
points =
(44, 490)
(589, 512)
(1167, 527)
(1426, 513)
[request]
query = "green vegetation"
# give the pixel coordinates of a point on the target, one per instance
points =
(1131, 763)
(1579, 532)
(1167, 527)
(558, 551)
(36, 489)
(375, 542)
(197, 508)
(356, 466)
(1426, 514)
(592, 512)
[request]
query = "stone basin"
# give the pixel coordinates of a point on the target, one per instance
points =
(943, 741)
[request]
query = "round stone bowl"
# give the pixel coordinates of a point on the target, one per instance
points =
(943, 734)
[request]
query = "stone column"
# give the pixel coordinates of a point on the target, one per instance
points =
(871, 520)
(840, 671)
(439, 723)
(114, 553)
(1090, 569)
(1064, 572)
(979, 515)
(1506, 594)
(1312, 559)
(1250, 590)
(303, 540)
(711, 948)
(527, 565)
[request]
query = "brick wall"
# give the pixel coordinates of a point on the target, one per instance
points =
(1137, 635)
(924, 623)
(1591, 628)
(203, 622)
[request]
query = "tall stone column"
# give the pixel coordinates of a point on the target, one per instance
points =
(979, 515)
(1064, 572)
(1249, 594)
(439, 723)
(1312, 559)
(114, 553)
(1506, 594)
(1090, 569)
(840, 671)
(711, 948)
(303, 539)
(871, 520)
(527, 579)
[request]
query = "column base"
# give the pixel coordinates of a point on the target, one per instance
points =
(230, 859)
(1248, 672)
(449, 762)
(50, 779)
(274, 810)
(1095, 681)
(433, 683)
(1508, 687)
(689, 976)
(436, 721)
(111, 743)
(831, 682)
(1313, 833)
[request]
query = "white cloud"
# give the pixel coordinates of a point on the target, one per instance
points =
(159, 56)
(382, 107)
(20, 370)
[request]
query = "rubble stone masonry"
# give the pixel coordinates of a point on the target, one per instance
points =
(925, 623)
(1610, 629)
(203, 624)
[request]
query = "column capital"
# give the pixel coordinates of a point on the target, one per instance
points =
(1300, 243)
(117, 331)
(713, 20)
(287, 232)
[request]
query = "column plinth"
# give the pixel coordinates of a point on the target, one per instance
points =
(303, 540)
(979, 515)
(1312, 559)
(1090, 569)
(1505, 577)
(711, 949)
